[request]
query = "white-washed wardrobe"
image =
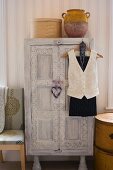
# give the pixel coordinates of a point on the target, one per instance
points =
(49, 128)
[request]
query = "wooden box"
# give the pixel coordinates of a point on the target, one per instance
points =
(104, 132)
(103, 160)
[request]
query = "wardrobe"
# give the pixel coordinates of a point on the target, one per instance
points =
(49, 130)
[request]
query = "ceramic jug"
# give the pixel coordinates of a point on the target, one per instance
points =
(76, 22)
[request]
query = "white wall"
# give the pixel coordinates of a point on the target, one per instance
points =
(3, 62)
(21, 12)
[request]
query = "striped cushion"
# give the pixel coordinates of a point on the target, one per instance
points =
(2, 106)
(12, 137)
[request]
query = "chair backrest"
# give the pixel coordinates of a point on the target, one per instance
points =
(14, 109)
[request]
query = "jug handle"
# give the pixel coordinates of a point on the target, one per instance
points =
(87, 14)
(63, 15)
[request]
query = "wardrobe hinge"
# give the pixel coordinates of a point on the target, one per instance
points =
(58, 42)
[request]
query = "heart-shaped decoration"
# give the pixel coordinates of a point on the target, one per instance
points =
(56, 90)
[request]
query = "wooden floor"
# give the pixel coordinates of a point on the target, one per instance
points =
(50, 165)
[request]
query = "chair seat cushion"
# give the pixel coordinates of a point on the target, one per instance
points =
(12, 137)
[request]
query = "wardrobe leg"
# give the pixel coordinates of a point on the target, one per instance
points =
(82, 165)
(36, 165)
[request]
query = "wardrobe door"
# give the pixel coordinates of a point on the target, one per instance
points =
(43, 108)
(75, 132)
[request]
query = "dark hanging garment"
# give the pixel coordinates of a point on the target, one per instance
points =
(82, 107)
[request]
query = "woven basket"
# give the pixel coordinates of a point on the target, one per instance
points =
(46, 28)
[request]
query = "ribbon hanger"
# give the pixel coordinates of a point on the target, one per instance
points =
(65, 55)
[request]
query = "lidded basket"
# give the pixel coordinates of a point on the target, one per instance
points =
(76, 22)
(46, 28)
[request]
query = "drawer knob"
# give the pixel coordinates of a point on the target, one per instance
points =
(111, 135)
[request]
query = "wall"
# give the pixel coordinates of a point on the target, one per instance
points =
(19, 13)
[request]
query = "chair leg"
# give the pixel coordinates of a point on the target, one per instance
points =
(22, 157)
(1, 156)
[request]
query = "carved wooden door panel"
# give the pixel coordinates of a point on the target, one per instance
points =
(74, 132)
(44, 107)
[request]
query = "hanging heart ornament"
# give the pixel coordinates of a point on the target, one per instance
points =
(56, 91)
(56, 88)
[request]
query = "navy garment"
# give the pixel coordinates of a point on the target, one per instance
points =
(82, 107)
(84, 65)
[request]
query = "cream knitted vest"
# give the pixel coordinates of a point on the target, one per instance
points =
(82, 83)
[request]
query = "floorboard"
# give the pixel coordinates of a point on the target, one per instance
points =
(46, 165)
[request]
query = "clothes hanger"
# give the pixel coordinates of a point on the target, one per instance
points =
(98, 55)
(65, 55)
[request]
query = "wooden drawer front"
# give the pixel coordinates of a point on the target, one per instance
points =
(103, 160)
(104, 135)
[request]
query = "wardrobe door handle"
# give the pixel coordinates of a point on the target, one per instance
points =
(111, 135)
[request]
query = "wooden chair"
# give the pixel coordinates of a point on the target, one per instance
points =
(12, 138)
